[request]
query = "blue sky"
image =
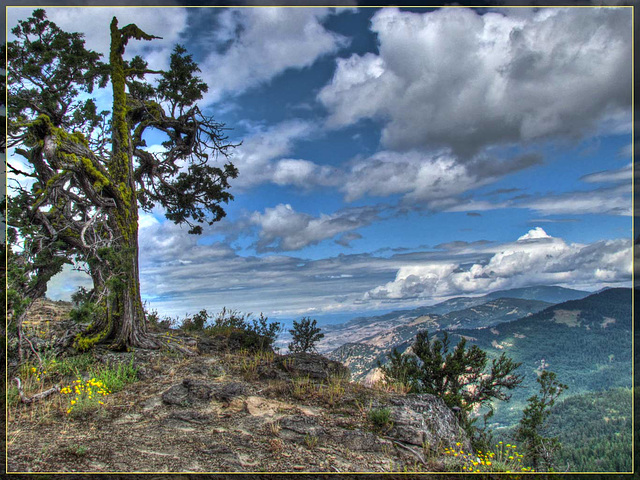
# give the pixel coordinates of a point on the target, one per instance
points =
(394, 158)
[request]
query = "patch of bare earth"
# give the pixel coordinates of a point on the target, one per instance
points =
(205, 414)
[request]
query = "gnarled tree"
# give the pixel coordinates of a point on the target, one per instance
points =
(86, 173)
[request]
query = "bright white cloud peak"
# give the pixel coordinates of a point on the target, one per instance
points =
(534, 259)
(456, 78)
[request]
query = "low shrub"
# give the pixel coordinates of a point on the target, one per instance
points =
(85, 396)
(380, 418)
(242, 330)
(116, 377)
(75, 365)
(505, 458)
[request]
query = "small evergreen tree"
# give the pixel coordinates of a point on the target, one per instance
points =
(459, 377)
(530, 429)
(305, 335)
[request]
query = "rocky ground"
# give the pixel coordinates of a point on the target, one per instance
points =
(232, 411)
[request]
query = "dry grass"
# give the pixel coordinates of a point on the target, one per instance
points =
(274, 428)
(302, 388)
(389, 386)
(334, 390)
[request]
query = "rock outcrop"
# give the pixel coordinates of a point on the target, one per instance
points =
(313, 366)
(423, 420)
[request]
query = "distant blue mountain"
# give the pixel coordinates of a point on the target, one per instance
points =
(541, 293)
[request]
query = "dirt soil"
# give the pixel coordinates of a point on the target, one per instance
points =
(209, 413)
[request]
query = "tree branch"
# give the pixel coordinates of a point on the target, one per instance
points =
(37, 397)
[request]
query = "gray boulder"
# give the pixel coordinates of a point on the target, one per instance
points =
(191, 392)
(423, 420)
(312, 365)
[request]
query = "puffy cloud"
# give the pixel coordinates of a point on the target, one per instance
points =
(296, 39)
(284, 229)
(456, 78)
(535, 258)
(414, 174)
(533, 234)
(434, 179)
(302, 173)
(239, 57)
(261, 158)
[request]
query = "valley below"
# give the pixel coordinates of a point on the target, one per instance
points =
(585, 338)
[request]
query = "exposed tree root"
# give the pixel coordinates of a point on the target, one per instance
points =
(409, 449)
(173, 346)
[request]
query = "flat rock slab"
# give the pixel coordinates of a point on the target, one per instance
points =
(313, 366)
(191, 392)
(187, 393)
(263, 407)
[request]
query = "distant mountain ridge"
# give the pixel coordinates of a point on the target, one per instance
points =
(359, 328)
(587, 342)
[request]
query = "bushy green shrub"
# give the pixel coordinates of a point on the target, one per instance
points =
(197, 322)
(462, 377)
(241, 329)
(380, 418)
(305, 334)
(158, 323)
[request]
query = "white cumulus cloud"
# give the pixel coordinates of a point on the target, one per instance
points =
(263, 43)
(535, 258)
(456, 78)
(281, 228)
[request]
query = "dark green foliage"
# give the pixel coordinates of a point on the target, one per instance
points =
(84, 313)
(250, 333)
(48, 69)
(84, 174)
(84, 309)
(538, 447)
(588, 357)
(179, 86)
(80, 296)
(266, 331)
(460, 377)
(305, 335)
(196, 322)
(595, 431)
(72, 366)
(380, 418)
(157, 322)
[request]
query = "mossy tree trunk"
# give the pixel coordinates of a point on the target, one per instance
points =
(82, 205)
(123, 321)
(125, 312)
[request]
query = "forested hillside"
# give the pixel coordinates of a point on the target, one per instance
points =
(587, 342)
(590, 424)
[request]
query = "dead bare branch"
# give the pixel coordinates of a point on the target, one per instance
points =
(38, 396)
